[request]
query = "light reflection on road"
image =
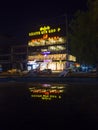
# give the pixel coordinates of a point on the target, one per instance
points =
(52, 105)
(47, 91)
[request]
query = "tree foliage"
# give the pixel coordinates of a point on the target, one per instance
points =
(83, 34)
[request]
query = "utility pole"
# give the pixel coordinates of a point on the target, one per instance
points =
(66, 37)
(12, 56)
(67, 44)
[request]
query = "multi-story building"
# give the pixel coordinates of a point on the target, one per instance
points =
(47, 48)
(13, 57)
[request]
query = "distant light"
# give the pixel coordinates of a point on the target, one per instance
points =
(46, 52)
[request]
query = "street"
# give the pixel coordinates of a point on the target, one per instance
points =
(72, 107)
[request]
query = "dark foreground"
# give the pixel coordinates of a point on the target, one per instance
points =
(66, 80)
(35, 106)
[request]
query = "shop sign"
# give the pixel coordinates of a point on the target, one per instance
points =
(45, 30)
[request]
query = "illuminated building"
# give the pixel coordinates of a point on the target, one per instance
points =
(47, 48)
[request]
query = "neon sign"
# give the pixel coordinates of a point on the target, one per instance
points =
(45, 30)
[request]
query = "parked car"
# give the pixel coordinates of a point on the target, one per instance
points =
(14, 71)
(47, 71)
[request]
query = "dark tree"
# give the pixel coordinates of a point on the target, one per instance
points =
(83, 34)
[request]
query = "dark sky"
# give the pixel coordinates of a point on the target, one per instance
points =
(17, 17)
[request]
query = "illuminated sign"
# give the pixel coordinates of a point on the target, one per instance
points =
(45, 30)
(48, 41)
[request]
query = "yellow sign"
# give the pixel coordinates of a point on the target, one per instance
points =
(45, 30)
(46, 97)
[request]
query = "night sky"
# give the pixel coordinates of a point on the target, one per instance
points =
(18, 18)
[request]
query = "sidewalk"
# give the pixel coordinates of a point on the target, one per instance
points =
(54, 74)
(83, 74)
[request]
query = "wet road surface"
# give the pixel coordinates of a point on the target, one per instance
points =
(37, 106)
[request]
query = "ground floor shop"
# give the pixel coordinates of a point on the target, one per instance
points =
(56, 62)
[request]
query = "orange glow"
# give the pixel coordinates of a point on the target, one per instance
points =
(45, 36)
(77, 65)
(46, 93)
(47, 40)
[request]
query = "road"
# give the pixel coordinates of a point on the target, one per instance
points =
(77, 107)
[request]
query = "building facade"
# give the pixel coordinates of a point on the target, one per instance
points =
(47, 48)
(13, 57)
